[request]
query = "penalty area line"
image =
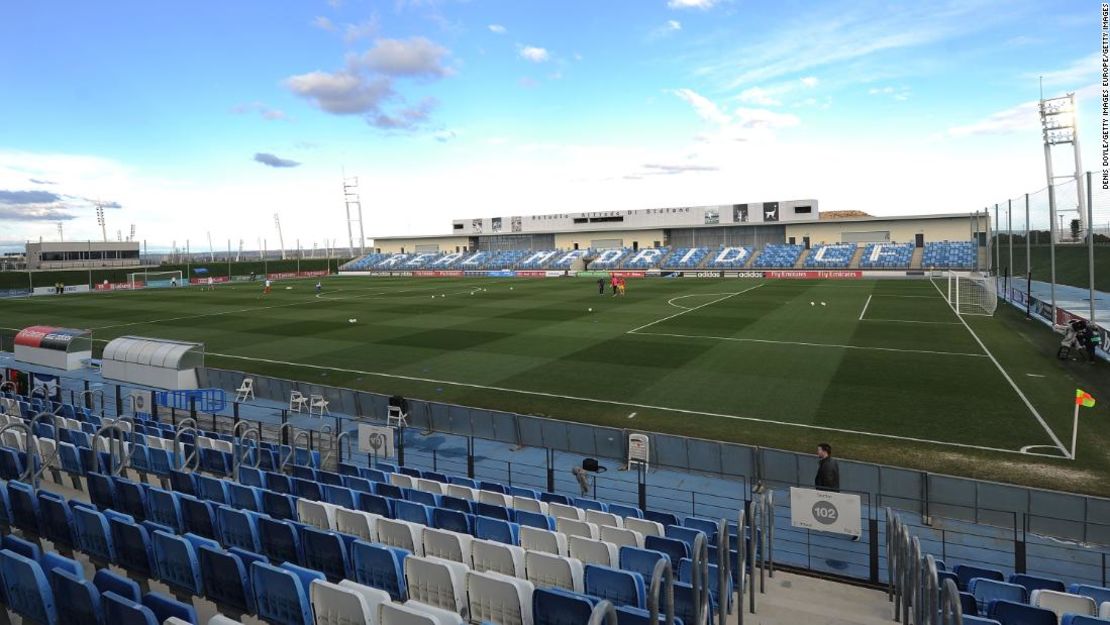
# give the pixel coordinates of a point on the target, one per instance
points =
(720, 299)
(865, 305)
(611, 402)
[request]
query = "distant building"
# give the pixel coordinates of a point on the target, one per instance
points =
(82, 254)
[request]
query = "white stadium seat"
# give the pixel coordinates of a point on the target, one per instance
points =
(401, 480)
(357, 523)
(437, 582)
(344, 604)
(647, 528)
(462, 492)
(415, 613)
(571, 527)
(537, 539)
(622, 537)
(497, 499)
(316, 513)
(529, 504)
(569, 512)
(447, 545)
(592, 551)
(501, 599)
(401, 534)
(487, 555)
(1063, 603)
(598, 517)
(548, 569)
(430, 486)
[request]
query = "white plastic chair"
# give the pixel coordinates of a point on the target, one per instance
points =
(297, 401)
(564, 511)
(1063, 603)
(437, 582)
(621, 537)
(401, 534)
(416, 613)
(488, 555)
(643, 526)
(447, 545)
(319, 404)
(592, 551)
(536, 539)
(316, 513)
(572, 527)
(245, 390)
(357, 523)
(343, 603)
(548, 569)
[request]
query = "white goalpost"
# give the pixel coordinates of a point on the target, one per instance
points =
(971, 293)
(155, 279)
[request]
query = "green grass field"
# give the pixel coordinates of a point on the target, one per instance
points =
(884, 370)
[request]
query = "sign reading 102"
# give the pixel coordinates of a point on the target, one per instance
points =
(825, 513)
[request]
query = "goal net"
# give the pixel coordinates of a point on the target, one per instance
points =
(155, 279)
(972, 293)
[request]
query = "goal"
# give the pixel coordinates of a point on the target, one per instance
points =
(972, 293)
(155, 279)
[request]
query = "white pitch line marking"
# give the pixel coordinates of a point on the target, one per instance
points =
(739, 339)
(1028, 404)
(865, 305)
(1034, 375)
(671, 301)
(721, 299)
(631, 415)
(610, 402)
(937, 323)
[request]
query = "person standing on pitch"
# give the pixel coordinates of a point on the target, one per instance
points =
(613, 283)
(319, 286)
(601, 286)
(266, 290)
(828, 473)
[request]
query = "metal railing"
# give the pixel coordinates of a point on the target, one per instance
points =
(240, 452)
(119, 450)
(43, 464)
(183, 427)
(914, 588)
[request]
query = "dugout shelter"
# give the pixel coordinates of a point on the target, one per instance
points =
(161, 363)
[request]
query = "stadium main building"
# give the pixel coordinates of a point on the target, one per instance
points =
(779, 235)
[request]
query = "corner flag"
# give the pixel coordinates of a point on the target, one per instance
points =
(1083, 398)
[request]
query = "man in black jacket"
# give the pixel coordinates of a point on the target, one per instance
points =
(828, 474)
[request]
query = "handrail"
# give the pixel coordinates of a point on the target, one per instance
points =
(27, 435)
(36, 389)
(10, 384)
(238, 456)
(700, 577)
(94, 393)
(916, 579)
(931, 590)
(753, 552)
(43, 464)
(603, 610)
(292, 457)
(124, 454)
(662, 579)
(184, 426)
(769, 533)
(282, 437)
(724, 558)
(951, 612)
(345, 435)
(741, 564)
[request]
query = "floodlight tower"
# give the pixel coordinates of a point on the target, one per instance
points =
(100, 221)
(281, 239)
(352, 201)
(132, 235)
(60, 237)
(1059, 126)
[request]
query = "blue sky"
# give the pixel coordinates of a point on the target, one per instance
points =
(212, 116)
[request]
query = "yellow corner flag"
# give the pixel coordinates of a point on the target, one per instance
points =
(1083, 398)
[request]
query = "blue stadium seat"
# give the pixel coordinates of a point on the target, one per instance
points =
(122, 611)
(831, 256)
(26, 589)
(590, 504)
(662, 518)
(887, 256)
(496, 530)
(94, 537)
(421, 497)
(183, 483)
(1076, 619)
(535, 519)
(620, 587)
(25, 548)
(164, 507)
(622, 510)
(225, 579)
(238, 528)
(133, 549)
(244, 497)
(57, 521)
(165, 607)
(77, 600)
(684, 604)
(161, 462)
(106, 580)
(360, 484)
(250, 476)
(212, 489)
(1013, 613)
(199, 517)
(379, 566)
(176, 561)
(456, 503)
(493, 511)
(130, 498)
(281, 594)
(339, 495)
(949, 254)
(686, 574)
(329, 478)
(453, 520)
(23, 507)
(636, 616)
(307, 489)
(706, 526)
(412, 512)
(965, 573)
(555, 606)
(326, 552)
(1034, 582)
(11, 466)
(389, 491)
(1098, 593)
(279, 506)
(376, 504)
(987, 590)
(277, 482)
(675, 549)
(280, 540)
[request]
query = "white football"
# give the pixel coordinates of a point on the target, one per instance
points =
(812, 304)
(822, 303)
(288, 288)
(352, 320)
(589, 310)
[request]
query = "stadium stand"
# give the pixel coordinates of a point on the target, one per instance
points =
(778, 256)
(685, 258)
(831, 256)
(949, 254)
(887, 256)
(729, 258)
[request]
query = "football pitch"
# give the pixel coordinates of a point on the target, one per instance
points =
(882, 369)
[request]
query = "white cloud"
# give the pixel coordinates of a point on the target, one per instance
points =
(703, 106)
(757, 95)
(534, 54)
(415, 56)
(668, 28)
(341, 93)
(673, 25)
(691, 4)
(897, 93)
(267, 113)
(361, 30)
(1079, 72)
(323, 23)
(810, 81)
(498, 29)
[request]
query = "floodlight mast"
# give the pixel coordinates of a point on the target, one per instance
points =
(1059, 126)
(281, 239)
(351, 200)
